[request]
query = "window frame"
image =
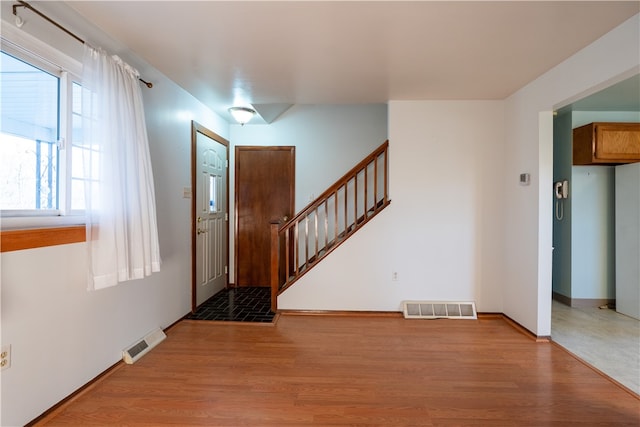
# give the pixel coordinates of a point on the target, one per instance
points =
(43, 56)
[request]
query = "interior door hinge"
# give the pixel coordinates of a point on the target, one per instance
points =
(226, 269)
(226, 163)
(226, 216)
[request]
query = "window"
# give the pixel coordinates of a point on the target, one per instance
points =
(82, 152)
(41, 147)
(30, 131)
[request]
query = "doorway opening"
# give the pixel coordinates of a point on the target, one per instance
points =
(264, 194)
(586, 286)
(209, 214)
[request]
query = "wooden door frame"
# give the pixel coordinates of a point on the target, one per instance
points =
(195, 128)
(292, 189)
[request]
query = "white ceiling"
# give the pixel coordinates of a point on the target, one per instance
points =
(352, 52)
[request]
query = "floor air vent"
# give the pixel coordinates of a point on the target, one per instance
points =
(142, 347)
(439, 310)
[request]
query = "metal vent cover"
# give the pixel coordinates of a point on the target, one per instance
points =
(439, 310)
(137, 349)
(143, 346)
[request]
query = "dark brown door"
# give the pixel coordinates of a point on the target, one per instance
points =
(264, 193)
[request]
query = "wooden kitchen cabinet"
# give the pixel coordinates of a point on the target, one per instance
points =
(602, 143)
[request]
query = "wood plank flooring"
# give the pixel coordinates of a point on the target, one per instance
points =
(352, 371)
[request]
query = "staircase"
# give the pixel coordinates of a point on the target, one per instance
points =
(304, 240)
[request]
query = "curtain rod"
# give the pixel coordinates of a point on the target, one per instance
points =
(45, 17)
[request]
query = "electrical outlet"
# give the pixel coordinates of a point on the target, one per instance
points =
(394, 276)
(5, 357)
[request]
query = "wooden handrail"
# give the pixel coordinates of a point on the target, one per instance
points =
(329, 228)
(329, 191)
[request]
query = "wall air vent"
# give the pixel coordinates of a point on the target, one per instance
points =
(142, 347)
(439, 310)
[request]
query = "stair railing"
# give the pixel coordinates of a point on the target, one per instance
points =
(301, 242)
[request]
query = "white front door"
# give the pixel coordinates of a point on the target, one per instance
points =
(211, 214)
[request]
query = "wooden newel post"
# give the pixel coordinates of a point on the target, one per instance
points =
(275, 264)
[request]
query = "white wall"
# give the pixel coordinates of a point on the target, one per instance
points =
(442, 232)
(329, 141)
(528, 225)
(61, 335)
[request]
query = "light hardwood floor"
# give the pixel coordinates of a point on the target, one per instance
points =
(353, 371)
(608, 340)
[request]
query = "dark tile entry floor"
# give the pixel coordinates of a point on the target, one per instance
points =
(237, 305)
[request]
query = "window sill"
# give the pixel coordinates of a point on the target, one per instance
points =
(24, 222)
(16, 240)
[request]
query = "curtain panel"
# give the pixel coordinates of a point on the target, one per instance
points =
(122, 236)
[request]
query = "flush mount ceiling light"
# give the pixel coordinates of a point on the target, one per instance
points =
(242, 114)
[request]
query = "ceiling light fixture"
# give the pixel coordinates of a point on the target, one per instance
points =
(242, 114)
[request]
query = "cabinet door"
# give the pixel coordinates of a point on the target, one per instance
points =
(606, 143)
(617, 141)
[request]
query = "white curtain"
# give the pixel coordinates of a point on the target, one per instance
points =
(122, 235)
